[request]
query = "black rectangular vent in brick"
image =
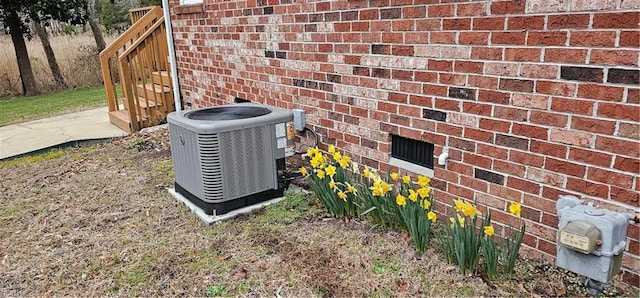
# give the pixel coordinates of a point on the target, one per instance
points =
(413, 151)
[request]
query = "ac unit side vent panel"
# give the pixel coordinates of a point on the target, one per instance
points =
(247, 161)
(186, 160)
(211, 164)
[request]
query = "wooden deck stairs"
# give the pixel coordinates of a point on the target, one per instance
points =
(135, 69)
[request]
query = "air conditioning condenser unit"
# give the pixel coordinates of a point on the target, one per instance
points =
(229, 157)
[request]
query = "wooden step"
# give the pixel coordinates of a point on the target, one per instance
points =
(152, 88)
(161, 95)
(162, 77)
(121, 119)
(150, 104)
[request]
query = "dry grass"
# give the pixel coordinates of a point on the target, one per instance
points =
(76, 56)
(98, 221)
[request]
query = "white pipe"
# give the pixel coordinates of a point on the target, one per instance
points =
(442, 158)
(172, 55)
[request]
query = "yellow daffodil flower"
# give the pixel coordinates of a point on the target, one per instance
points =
(337, 156)
(432, 216)
(515, 209)
(315, 163)
(311, 152)
(423, 181)
(401, 200)
(385, 187)
(332, 184)
(460, 220)
(350, 188)
(366, 173)
(331, 170)
(470, 210)
(413, 195)
(320, 174)
(406, 179)
(459, 205)
(332, 149)
(342, 195)
(394, 176)
(303, 171)
(426, 204)
(376, 190)
(424, 192)
(344, 162)
(488, 230)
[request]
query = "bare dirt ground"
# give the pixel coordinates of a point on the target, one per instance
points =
(98, 221)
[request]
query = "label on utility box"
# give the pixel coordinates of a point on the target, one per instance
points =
(574, 241)
(280, 130)
(281, 143)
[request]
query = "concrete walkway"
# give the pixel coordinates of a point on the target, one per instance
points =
(21, 138)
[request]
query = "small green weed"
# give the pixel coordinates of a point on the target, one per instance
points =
(217, 291)
(385, 266)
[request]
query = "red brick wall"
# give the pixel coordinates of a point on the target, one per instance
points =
(534, 98)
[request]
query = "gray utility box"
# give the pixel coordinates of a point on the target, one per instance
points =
(590, 240)
(229, 157)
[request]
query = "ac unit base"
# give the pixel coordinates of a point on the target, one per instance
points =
(227, 206)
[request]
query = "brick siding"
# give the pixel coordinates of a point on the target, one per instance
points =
(535, 98)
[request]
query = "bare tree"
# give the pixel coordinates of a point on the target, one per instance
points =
(28, 80)
(51, 57)
(93, 11)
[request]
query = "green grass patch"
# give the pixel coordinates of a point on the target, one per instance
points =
(11, 211)
(210, 261)
(386, 266)
(21, 109)
(29, 159)
(295, 204)
(217, 291)
(136, 277)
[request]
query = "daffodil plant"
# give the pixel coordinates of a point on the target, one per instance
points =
(489, 249)
(513, 240)
(330, 179)
(378, 200)
(416, 209)
(462, 240)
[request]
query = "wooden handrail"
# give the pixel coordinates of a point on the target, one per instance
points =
(142, 38)
(133, 32)
(136, 13)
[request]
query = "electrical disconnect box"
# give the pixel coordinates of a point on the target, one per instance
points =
(590, 240)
